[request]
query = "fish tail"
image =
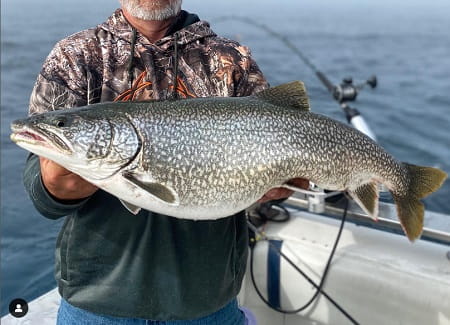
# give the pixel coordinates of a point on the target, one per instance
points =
(410, 212)
(422, 182)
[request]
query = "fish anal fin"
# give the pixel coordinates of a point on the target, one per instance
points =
(366, 196)
(156, 189)
(292, 94)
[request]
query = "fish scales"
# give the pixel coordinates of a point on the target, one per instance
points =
(216, 146)
(207, 158)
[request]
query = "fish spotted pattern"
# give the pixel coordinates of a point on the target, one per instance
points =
(207, 158)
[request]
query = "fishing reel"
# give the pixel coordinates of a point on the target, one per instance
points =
(347, 91)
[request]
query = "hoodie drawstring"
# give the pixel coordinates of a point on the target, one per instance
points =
(175, 66)
(130, 62)
(178, 86)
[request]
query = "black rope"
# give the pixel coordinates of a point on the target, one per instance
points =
(319, 287)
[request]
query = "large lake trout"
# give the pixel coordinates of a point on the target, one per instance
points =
(207, 158)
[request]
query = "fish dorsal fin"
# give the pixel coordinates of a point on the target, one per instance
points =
(292, 94)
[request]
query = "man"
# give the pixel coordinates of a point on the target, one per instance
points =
(113, 267)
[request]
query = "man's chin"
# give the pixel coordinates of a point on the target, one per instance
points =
(152, 10)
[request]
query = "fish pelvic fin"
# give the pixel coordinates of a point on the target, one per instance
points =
(292, 94)
(366, 195)
(422, 182)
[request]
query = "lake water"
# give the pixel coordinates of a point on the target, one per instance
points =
(406, 46)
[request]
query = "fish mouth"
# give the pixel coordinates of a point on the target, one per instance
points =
(38, 137)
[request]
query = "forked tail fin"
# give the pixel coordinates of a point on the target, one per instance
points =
(422, 182)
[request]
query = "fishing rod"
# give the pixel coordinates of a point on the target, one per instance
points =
(343, 93)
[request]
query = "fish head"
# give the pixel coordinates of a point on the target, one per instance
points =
(81, 140)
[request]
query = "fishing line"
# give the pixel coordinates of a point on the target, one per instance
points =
(319, 287)
(343, 93)
(328, 84)
(286, 42)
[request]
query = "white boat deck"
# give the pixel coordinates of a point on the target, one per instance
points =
(41, 311)
(378, 277)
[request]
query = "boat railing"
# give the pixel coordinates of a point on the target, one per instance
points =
(332, 204)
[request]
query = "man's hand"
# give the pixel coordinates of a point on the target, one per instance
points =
(282, 193)
(62, 183)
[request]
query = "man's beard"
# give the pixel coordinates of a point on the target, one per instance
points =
(152, 9)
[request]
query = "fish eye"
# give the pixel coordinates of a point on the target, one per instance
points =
(60, 122)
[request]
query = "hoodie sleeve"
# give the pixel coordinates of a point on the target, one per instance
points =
(249, 78)
(60, 84)
(63, 80)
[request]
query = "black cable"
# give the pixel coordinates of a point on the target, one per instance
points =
(330, 87)
(266, 211)
(319, 288)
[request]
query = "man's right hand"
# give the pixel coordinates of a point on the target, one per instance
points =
(62, 183)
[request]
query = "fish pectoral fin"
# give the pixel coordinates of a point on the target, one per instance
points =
(131, 207)
(366, 196)
(157, 190)
(292, 94)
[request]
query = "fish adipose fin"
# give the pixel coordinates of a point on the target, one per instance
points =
(157, 190)
(423, 181)
(292, 94)
(366, 196)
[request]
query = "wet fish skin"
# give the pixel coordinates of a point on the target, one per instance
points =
(207, 158)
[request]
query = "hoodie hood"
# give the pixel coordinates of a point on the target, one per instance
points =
(187, 27)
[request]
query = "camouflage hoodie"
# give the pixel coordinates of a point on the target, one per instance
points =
(101, 63)
(150, 266)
